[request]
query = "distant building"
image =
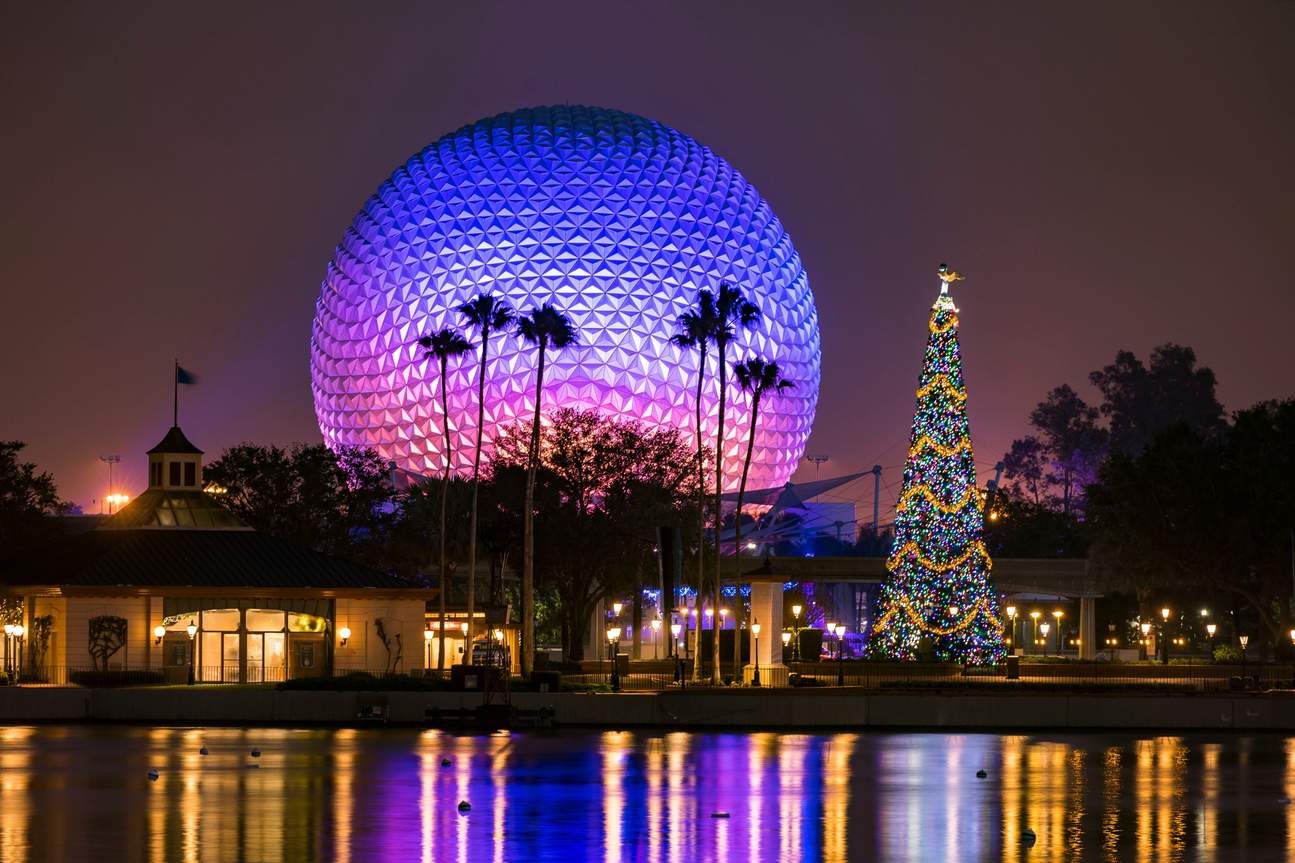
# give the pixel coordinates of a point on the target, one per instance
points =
(124, 594)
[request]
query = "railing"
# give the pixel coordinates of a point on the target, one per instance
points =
(1059, 676)
(666, 675)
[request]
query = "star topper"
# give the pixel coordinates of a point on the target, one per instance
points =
(948, 277)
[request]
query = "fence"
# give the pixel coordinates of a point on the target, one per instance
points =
(665, 674)
(912, 675)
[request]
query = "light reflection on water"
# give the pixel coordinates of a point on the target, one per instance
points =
(82, 793)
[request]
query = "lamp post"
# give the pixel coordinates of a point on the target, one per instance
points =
(1244, 639)
(1035, 615)
(656, 638)
(786, 642)
(1058, 614)
(840, 654)
(8, 639)
(755, 652)
(18, 632)
(1145, 626)
(1044, 628)
(192, 631)
(1164, 635)
(1210, 629)
(613, 645)
(428, 635)
(795, 629)
(1011, 615)
(674, 647)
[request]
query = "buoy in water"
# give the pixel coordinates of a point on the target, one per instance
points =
(202, 751)
(1028, 837)
(980, 774)
(464, 806)
(719, 815)
(152, 775)
(445, 762)
(256, 753)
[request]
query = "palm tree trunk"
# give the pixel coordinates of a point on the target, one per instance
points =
(715, 678)
(701, 508)
(527, 645)
(445, 493)
(737, 526)
(476, 484)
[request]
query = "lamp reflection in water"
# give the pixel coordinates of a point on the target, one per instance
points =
(429, 756)
(836, 797)
(791, 779)
(679, 807)
(615, 749)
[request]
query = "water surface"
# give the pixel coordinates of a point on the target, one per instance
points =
(83, 793)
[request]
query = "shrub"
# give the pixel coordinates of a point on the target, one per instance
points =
(116, 678)
(362, 681)
(1227, 653)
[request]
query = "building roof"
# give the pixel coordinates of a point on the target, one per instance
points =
(175, 443)
(174, 508)
(227, 559)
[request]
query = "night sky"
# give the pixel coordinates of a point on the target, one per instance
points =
(175, 177)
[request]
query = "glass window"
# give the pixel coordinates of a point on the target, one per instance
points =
(305, 623)
(175, 473)
(224, 620)
(259, 620)
(190, 473)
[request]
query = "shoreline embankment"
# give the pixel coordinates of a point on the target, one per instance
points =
(700, 708)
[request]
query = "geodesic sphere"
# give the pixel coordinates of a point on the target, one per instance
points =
(617, 221)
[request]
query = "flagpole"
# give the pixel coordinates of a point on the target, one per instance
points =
(175, 394)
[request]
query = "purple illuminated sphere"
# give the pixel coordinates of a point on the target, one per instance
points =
(614, 219)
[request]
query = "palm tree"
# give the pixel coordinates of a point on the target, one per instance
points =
(732, 310)
(489, 315)
(756, 377)
(545, 328)
(440, 346)
(696, 329)
(713, 321)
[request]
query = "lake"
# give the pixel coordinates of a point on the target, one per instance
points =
(84, 793)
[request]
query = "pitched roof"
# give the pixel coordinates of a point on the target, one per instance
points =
(175, 443)
(188, 558)
(174, 508)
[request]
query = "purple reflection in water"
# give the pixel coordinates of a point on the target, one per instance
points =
(82, 793)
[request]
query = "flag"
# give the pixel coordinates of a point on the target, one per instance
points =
(184, 376)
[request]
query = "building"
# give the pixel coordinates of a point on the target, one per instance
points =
(174, 582)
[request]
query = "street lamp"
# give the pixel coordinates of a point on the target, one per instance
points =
(1011, 615)
(1035, 615)
(840, 654)
(1045, 628)
(616, 608)
(795, 628)
(755, 653)
(613, 646)
(674, 646)
(1164, 635)
(656, 638)
(1058, 614)
(192, 631)
(1244, 639)
(159, 632)
(8, 638)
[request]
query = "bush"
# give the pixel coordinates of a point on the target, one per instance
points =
(546, 681)
(543, 663)
(1226, 653)
(362, 681)
(116, 678)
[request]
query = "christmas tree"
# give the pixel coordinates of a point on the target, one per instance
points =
(938, 589)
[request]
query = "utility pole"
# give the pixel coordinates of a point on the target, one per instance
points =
(109, 460)
(876, 500)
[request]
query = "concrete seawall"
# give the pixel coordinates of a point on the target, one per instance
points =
(743, 709)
